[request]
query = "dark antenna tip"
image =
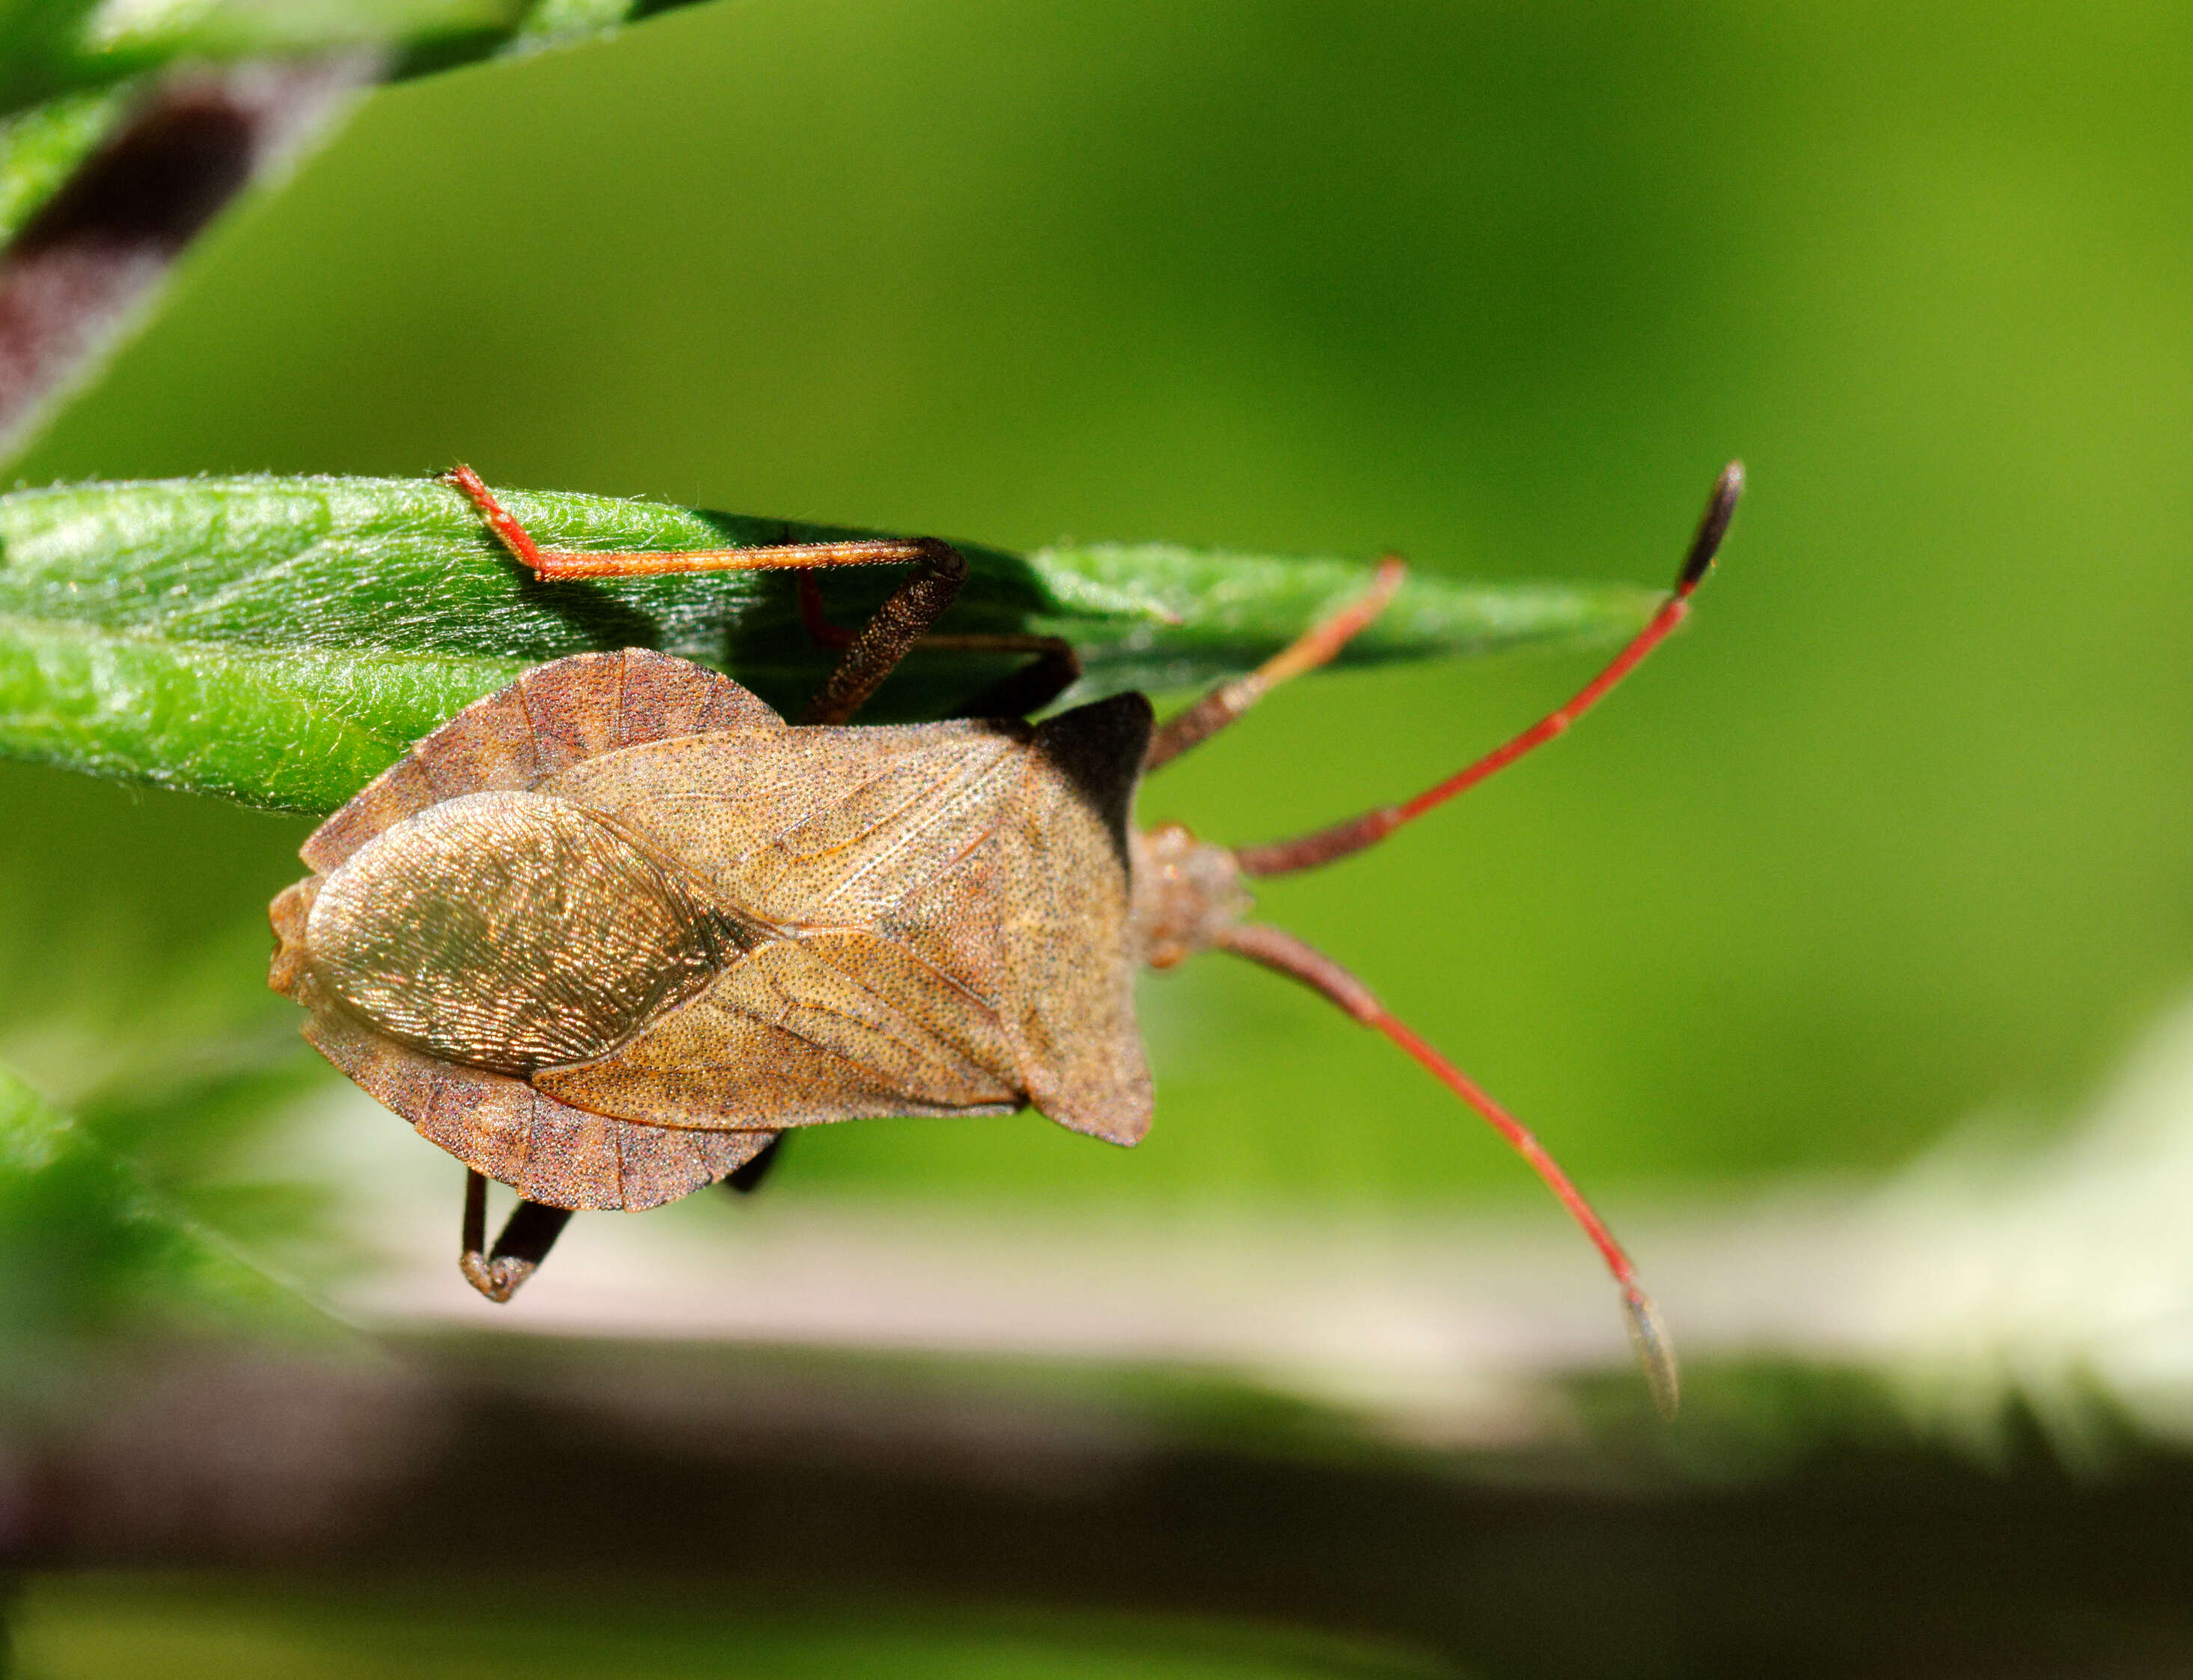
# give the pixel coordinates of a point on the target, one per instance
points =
(1720, 508)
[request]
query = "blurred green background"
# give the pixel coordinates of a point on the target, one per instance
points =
(1892, 836)
(1895, 834)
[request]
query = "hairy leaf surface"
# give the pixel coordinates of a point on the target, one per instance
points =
(280, 641)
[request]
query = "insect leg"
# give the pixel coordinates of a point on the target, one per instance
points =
(1281, 951)
(819, 631)
(1055, 667)
(1313, 648)
(527, 1237)
(747, 1178)
(898, 624)
(551, 564)
(1327, 845)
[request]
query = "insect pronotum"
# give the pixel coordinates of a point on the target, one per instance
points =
(606, 934)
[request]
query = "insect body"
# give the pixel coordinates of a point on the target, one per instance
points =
(605, 934)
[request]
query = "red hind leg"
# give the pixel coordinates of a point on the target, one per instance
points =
(898, 626)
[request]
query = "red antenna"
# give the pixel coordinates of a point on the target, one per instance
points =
(1282, 951)
(1343, 839)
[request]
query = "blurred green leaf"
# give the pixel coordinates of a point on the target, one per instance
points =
(558, 23)
(49, 48)
(280, 641)
(41, 148)
(157, 112)
(185, 1624)
(88, 1246)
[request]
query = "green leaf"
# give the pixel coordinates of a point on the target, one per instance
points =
(88, 1247)
(40, 149)
(558, 23)
(50, 48)
(280, 641)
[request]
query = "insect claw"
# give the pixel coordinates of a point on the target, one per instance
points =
(498, 1279)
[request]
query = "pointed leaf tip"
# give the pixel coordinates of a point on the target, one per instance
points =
(1656, 1354)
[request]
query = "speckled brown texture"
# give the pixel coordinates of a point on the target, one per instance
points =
(549, 719)
(606, 931)
(500, 1125)
(547, 1151)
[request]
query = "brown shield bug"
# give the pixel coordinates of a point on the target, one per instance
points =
(606, 934)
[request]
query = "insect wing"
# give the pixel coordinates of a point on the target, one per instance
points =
(803, 1032)
(809, 827)
(1059, 892)
(557, 715)
(554, 716)
(864, 852)
(502, 1127)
